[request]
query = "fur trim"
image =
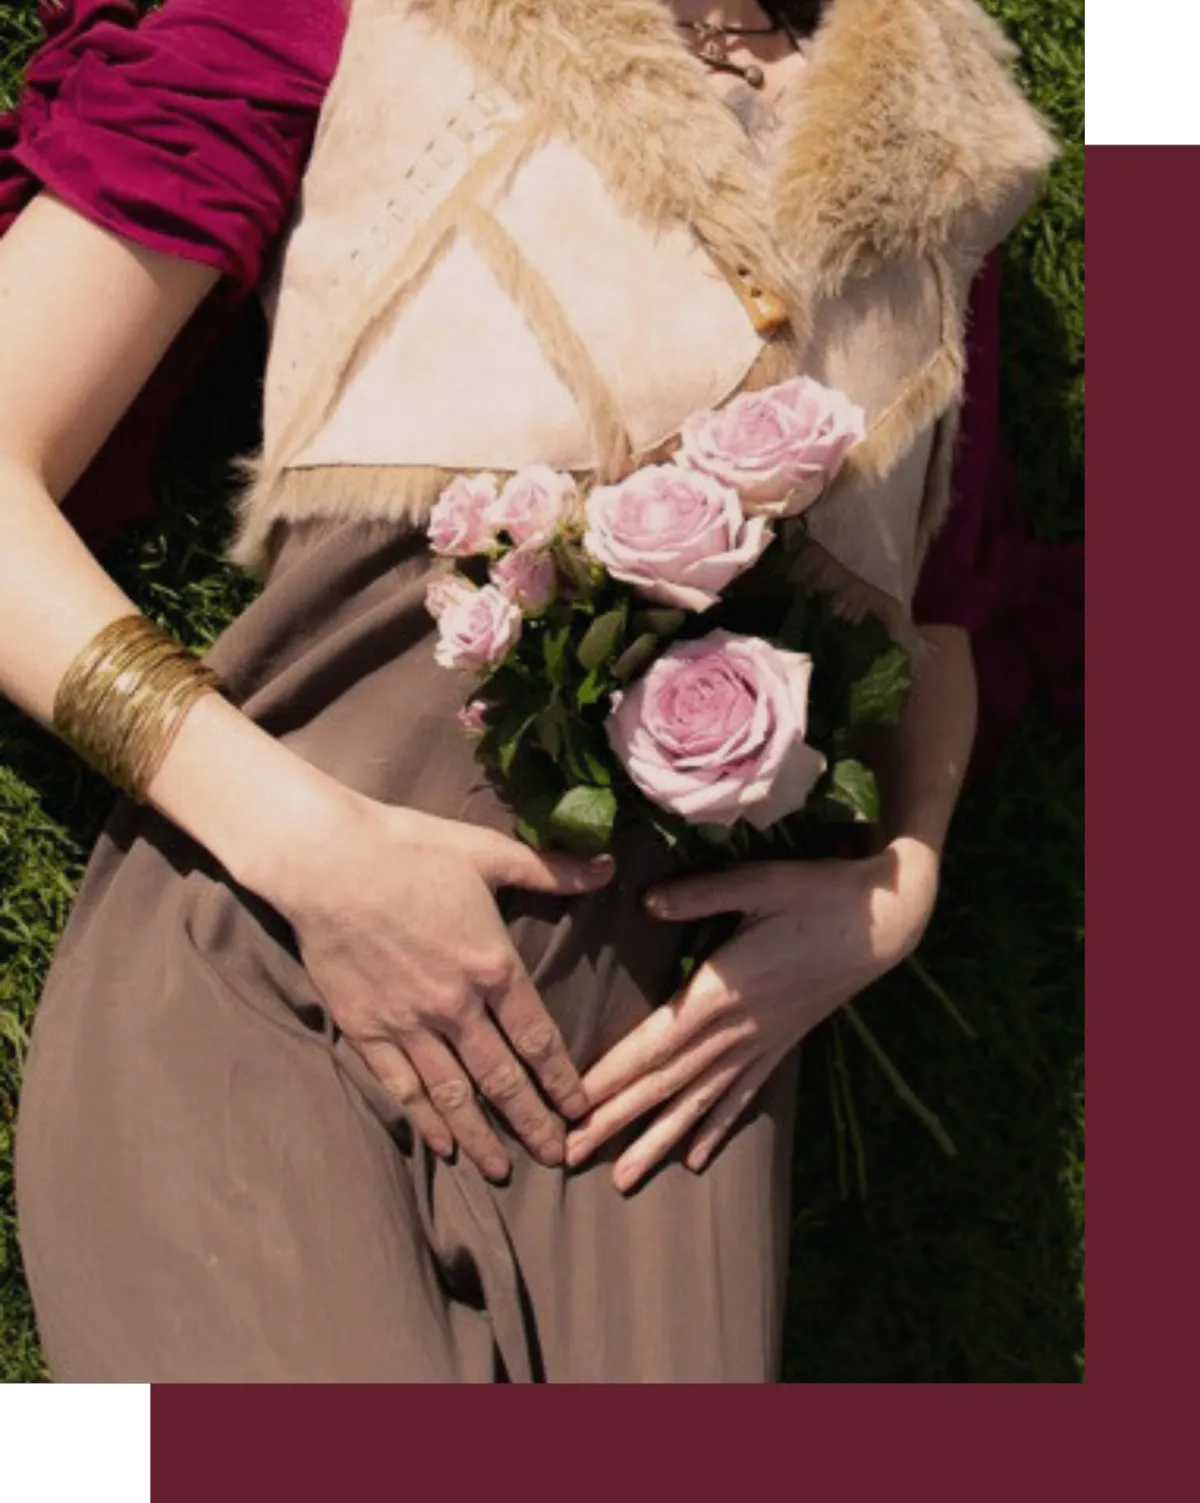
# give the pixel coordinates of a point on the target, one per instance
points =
(922, 401)
(399, 493)
(816, 569)
(908, 131)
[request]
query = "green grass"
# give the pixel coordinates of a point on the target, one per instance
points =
(964, 1269)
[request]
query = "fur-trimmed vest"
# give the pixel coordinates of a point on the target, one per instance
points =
(532, 231)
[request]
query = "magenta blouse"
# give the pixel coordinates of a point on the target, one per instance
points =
(188, 132)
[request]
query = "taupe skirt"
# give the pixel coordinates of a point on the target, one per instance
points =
(212, 1187)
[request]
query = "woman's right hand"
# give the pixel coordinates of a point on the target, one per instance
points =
(398, 929)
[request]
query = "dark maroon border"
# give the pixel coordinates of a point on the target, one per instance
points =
(1111, 1436)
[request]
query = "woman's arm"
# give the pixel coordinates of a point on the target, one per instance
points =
(85, 315)
(922, 763)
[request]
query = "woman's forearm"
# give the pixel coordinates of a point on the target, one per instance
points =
(243, 795)
(921, 764)
(84, 319)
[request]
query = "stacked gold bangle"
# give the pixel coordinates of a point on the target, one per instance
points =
(125, 695)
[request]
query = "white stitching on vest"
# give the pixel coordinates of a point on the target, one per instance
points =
(473, 127)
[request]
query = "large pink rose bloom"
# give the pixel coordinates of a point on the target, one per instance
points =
(778, 447)
(679, 537)
(458, 522)
(534, 505)
(715, 731)
(476, 628)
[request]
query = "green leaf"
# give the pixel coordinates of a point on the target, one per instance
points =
(592, 690)
(715, 834)
(554, 648)
(879, 696)
(548, 727)
(533, 811)
(636, 656)
(583, 819)
(507, 751)
(527, 831)
(662, 622)
(503, 741)
(581, 758)
(853, 784)
(601, 638)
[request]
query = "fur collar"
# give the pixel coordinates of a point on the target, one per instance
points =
(907, 132)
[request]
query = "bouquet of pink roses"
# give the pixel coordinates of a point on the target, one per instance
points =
(638, 650)
(642, 651)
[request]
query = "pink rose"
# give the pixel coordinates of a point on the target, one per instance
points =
(444, 586)
(476, 629)
(471, 717)
(715, 729)
(527, 576)
(676, 535)
(778, 447)
(534, 504)
(458, 522)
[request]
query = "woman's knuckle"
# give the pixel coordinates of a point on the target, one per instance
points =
(540, 1042)
(495, 970)
(453, 1010)
(503, 1081)
(403, 1090)
(450, 1095)
(530, 1123)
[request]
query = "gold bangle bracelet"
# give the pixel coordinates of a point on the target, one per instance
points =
(124, 697)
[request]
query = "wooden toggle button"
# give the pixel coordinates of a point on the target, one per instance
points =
(767, 310)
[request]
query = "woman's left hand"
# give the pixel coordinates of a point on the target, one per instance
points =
(813, 935)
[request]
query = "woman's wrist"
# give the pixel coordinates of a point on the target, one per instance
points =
(258, 807)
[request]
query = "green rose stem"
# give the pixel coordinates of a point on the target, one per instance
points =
(900, 1085)
(839, 1123)
(942, 995)
(856, 1137)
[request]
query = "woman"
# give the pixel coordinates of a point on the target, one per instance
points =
(332, 1079)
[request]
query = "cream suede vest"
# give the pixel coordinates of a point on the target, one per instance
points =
(534, 233)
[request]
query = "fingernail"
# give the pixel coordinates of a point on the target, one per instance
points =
(625, 1177)
(696, 1161)
(656, 903)
(576, 1151)
(496, 1168)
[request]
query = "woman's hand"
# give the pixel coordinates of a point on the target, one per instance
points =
(397, 927)
(813, 935)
